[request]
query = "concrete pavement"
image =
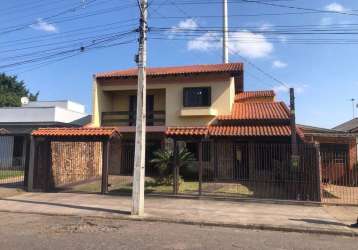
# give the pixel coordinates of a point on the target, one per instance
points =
(283, 217)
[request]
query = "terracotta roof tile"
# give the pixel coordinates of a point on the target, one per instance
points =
(177, 70)
(187, 131)
(257, 111)
(73, 132)
(243, 131)
(253, 95)
(269, 130)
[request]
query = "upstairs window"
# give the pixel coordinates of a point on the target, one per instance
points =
(197, 97)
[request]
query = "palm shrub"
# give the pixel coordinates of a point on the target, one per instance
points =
(163, 160)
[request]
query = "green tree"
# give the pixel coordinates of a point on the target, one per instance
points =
(11, 91)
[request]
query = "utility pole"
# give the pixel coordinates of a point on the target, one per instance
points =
(353, 107)
(293, 123)
(139, 154)
(225, 33)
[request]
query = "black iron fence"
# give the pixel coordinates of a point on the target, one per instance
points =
(215, 168)
(244, 170)
(261, 171)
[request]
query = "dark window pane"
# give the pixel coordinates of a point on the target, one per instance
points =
(197, 97)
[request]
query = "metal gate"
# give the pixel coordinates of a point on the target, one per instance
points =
(13, 151)
(339, 175)
(261, 170)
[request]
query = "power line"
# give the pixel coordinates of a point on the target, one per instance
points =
(297, 7)
(65, 52)
(71, 44)
(49, 62)
(27, 25)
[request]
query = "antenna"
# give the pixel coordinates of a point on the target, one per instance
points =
(354, 105)
(24, 100)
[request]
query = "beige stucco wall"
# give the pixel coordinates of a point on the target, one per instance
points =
(113, 96)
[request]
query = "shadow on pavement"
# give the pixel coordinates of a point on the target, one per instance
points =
(71, 206)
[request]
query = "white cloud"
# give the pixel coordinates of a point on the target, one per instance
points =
(44, 26)
(249, 44)
(335, 7)
(299, 88)
(184, 25)
(279, 64)
(242, 42)
(206, 42)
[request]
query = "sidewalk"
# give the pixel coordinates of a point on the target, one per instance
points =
(297, 218)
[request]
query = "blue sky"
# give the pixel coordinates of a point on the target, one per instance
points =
(324, 75)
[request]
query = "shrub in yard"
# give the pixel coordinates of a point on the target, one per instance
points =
(163, 160)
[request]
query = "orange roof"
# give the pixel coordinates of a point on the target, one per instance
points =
(177, 70)
(247, 95)
(73, 132)
(219, 130)
(187, 131)
(258, 111)
(269, 130)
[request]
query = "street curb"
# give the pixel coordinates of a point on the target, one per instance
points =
(202, 223)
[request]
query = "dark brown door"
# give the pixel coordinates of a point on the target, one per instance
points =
(133, 110)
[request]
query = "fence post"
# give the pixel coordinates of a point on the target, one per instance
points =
(175, 168)
(105, 159)
(319, 171)
(27, 144)
(30, 178)
(215, 154)
(47, 161)
(200, 156)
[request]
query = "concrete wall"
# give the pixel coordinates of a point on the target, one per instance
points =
(38, 114)
(106, 97)
(66, 104)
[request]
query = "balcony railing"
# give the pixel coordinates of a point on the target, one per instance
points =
(126, 118)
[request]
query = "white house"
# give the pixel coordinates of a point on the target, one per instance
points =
(17, 123)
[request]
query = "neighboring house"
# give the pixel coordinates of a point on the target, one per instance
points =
(17, 123)
(338, 151)
(349, 126)
(188, 103)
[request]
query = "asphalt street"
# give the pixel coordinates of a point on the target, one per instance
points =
(29, 231)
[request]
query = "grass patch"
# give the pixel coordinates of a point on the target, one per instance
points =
(120, 184)
(5, 174)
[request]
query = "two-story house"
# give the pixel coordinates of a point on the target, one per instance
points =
(188, 103)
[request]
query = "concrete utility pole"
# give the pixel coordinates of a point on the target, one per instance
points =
(293, 122)
(225, 33)
(139, 154)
